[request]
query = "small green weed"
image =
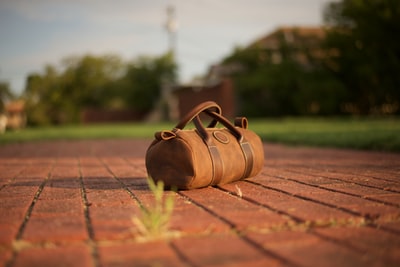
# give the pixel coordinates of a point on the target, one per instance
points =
(153, 222)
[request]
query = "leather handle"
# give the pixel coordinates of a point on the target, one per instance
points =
(205, 106)
(224, 121)
(217, 117)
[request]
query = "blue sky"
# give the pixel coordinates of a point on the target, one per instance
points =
(38, 32)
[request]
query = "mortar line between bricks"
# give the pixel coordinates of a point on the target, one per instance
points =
(296, 219)
(238, 233)
(391, 171)
(349, 245)
(30, 209)
(358, 183)
(12, 179)
(28, 215)
(252, 201)
(268, 252)
(88, 221)
(136, 166)
(347, 170)
(308, 199)
(343, 180)
(311, 230)
(35, 199)
(336, 191)
(219, 217)
(177, 252)
(339, 242)
(368, 221)
(182, 256)
(124, 186)
(383, 228)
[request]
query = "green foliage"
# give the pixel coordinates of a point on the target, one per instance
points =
(286, 87)
(144, 79)
(354, 70)
(88, 79)
(365, 54)
(5, 95)
(154, 220)
(58, 95)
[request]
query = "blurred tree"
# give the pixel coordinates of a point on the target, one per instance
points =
(5, 95)
(58, 97)
(144, 80)
(282, 74)
(86, 80)
(364, 53)
(43, 97)
(104, 82)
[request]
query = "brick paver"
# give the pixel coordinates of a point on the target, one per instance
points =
(71, 203)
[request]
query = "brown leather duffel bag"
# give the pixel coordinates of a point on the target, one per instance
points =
(202, 156)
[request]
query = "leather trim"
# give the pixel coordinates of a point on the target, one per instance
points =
(241, 122)
(216, 160)
(248, 158)
(217, 163)
(165, 135)
(220, 137)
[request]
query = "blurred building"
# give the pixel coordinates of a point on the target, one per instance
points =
(303, 42)
(15, 114)
(219, 90)
(300, 44)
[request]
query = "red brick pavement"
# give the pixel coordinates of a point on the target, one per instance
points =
(71, 203)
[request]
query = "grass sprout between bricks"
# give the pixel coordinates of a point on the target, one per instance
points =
(153, 222)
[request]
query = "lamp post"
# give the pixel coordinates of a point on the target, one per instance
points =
(171, 27)
(169, 103)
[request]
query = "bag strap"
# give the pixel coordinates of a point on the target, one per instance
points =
(190, 116)
(216, 160)
(208, 105)
(245, 146)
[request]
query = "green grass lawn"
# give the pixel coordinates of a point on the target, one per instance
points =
(366, 133)
(371, 134)
(92, 131)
